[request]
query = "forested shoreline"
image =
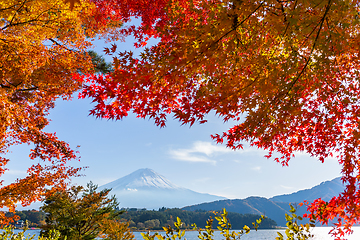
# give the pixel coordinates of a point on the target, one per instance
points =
(142, 219)
(35, 218)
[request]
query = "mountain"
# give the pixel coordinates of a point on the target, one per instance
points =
(144, 178)
(275, 207)
(145, 188)
(325, 190)
(253, 205)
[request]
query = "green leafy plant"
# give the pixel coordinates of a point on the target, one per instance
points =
(295, 230)
(224, 227)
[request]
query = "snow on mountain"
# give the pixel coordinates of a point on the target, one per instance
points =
(145, 188)
(144, 178)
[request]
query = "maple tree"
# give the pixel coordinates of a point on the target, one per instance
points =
(42, 43)
(285, 72)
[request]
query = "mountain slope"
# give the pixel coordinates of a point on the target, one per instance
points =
(254, 205)
(325, 190)
(145, 188)
(275, 207)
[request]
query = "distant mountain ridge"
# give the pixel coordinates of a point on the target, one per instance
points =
(253, 205)
(145, 188)
(325, 190)
(275, 207)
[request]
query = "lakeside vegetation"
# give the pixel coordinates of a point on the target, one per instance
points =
(140, 219)
(84, 213)
(34, 218)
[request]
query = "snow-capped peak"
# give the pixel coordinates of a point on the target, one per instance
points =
(142, 178)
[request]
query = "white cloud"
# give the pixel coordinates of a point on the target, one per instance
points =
(257, 168)
(185, 155)
(208, 148)
(199, 152)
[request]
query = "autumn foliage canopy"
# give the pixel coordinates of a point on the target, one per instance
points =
(42, 43)
(285, 72)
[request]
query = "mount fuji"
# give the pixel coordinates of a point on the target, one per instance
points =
(145, 188)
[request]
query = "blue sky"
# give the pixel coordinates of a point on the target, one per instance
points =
(186, 156)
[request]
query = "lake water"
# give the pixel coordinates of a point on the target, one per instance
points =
(320, 233)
